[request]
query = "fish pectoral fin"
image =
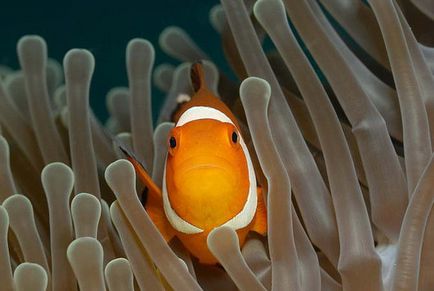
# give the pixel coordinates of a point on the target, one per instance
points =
(153, 190)
(260, 222)
(154, 200)
(158, 217)
(154, 203)
(154, 206)
(145, 178)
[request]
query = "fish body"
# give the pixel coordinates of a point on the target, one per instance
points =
(209, 180)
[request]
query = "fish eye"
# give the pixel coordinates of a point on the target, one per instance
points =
(172, 142)
(234, 137)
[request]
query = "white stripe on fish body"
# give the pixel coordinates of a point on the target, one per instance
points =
(202, 112)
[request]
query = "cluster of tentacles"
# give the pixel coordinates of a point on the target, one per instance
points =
(342, 144)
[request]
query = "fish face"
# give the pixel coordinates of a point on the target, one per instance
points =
(207, 177)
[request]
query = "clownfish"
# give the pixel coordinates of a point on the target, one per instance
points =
(209, 180)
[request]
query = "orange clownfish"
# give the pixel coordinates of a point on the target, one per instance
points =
(209, 180)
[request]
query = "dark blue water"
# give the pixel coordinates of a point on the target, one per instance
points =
(104, 28)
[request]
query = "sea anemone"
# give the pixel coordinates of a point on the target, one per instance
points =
(339, 119)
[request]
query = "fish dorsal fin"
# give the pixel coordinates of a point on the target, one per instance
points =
(202, 95)
(197, 76)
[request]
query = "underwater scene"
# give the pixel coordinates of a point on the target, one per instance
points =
(206, 145)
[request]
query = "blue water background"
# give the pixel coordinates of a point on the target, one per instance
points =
(104, 28)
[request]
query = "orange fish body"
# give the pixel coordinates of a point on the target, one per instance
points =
(208, 180)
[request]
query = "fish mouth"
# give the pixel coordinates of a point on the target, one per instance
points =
(209, 172)
(205, 177)
(199, 167)
(206, 162)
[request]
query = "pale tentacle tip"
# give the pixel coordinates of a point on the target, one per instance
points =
(79, 64)
(255, 86)
(56, 178)
(223, 233)
(27, 274)
(31, 41)
(120, 176)
(141, 44)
